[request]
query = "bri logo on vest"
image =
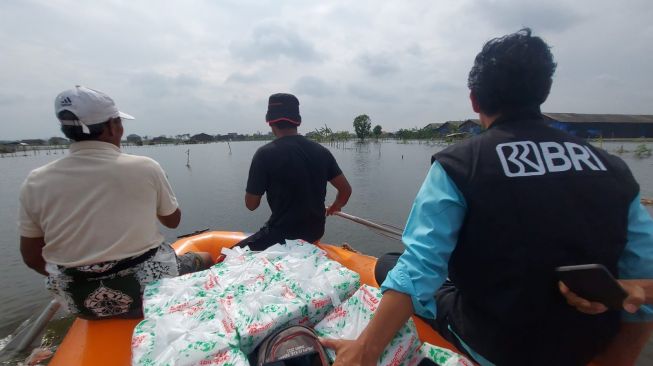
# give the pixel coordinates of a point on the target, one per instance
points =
(527, 158)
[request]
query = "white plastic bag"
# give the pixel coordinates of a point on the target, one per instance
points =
(441, 356)
(194, 318)
(348, 321)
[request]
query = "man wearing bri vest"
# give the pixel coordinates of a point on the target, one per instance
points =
(88, 221)
(293, 171)
(497, 214)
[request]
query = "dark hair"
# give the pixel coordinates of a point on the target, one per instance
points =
(75, 133)
(284, 125)
(512, 72)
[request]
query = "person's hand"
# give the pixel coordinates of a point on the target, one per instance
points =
(332, 209)
(581, 304)
(349, 353)
(631, 304)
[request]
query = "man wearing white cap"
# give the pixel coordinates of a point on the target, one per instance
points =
(88, 221)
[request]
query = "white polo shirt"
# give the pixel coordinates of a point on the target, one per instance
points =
(94, 205)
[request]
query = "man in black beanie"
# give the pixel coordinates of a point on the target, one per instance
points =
(293, 171)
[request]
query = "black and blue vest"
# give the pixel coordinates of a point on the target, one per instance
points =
(537, 198)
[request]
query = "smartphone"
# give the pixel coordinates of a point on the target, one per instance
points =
(593, 282)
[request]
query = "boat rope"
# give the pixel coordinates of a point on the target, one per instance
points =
(382, 229)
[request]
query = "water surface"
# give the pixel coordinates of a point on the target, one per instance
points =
(385, 178)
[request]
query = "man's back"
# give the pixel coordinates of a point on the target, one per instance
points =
(96, 204)
(536, 199)
(293, 172)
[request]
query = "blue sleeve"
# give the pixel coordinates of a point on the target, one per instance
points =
(636, 262)
(430, 236)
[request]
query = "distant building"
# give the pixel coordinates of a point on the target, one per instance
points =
(58, 141)
(603, 125)
(201, 138)
(448, 127)
(7, 147)
(161, 140)
(34, 142)
(134, 139)
(470, 126)
(11, 146)
(433, 126)
(234, 136)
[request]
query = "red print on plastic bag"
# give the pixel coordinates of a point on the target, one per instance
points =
(211, 282)
(227, 300)
(288, 293)
(337, 313)
(401, 353)
(187, 308)
(136, 341)
(369, 299)
(320, 303)
(219, 359)
(228, 325)
(258, 328)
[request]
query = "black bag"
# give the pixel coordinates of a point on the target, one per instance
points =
(292, 346)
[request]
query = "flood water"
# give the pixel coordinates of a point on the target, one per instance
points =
(385, 178)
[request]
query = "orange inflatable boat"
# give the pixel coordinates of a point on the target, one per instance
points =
(108, 342)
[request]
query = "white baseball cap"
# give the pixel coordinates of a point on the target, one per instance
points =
(90, 106)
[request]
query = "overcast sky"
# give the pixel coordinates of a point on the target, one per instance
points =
(209, 66)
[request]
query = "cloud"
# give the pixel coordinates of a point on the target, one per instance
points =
(153, 84)
(210, 65)
(313, 86)
(378, 65)
(608, 80)
(446, 87)
(11, 99)
(545, 16)
(369, 93)
(270, 42)
(238, 77)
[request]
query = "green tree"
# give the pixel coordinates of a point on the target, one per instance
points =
(362, 126)
(376, 131)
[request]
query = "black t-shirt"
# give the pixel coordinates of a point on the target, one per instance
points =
(293, 171)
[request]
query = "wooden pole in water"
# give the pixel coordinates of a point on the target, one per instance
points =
(188, 157)
(229, 147)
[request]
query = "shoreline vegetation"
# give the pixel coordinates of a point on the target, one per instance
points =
(325, 135)
(434, 133)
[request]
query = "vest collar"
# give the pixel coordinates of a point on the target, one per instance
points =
(518, 114)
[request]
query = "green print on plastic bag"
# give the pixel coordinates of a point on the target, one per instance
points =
(202, 346)
(233, 304)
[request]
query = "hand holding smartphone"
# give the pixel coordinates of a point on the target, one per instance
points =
(593, 282)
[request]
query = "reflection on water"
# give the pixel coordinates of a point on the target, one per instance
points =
(210, 181)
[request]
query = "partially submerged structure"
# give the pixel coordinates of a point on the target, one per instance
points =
(468, 126)
(583, 125)
(603, 125)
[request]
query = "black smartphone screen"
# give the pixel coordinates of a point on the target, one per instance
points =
(593, 282)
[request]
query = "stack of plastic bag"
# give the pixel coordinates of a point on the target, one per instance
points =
(348, 320)
(223, 313)
(440, 356)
